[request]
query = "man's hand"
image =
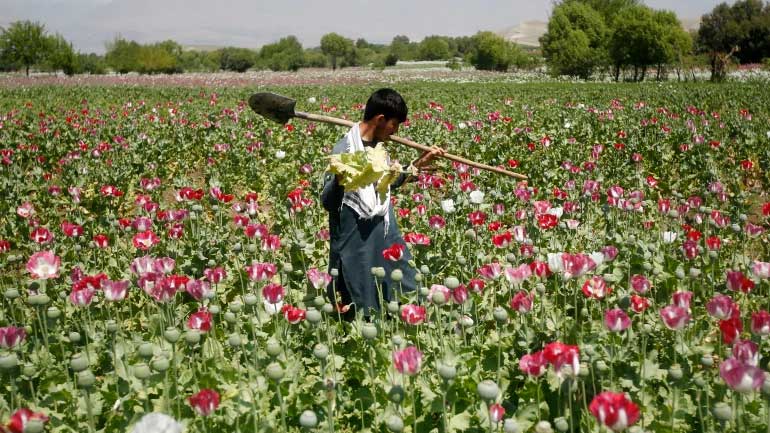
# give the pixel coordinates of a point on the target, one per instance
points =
(423, 162)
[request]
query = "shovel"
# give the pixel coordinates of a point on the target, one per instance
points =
(280, 109)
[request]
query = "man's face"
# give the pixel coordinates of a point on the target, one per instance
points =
(385, 128)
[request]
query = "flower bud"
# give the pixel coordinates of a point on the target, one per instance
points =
(29, 370)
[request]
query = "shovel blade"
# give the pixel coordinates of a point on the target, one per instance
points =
(272, 106)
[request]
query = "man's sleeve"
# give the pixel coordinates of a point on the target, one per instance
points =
(331, 195)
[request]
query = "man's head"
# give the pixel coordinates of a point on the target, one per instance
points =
(385, 110)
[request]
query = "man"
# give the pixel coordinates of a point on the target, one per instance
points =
(362, 223)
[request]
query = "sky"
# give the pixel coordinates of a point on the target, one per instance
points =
(89, 24)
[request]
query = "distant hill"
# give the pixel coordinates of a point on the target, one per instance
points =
(527, 33)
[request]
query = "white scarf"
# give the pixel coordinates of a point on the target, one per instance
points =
(365, 200)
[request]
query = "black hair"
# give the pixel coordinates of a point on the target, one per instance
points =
(388, 103)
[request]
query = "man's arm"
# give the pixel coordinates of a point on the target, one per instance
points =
(331, 196)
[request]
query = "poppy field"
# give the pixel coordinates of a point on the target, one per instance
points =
(164, 250)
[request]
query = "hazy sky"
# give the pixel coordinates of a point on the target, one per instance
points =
(252, 23)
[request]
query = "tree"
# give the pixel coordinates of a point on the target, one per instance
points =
(636, 41)
(23, 44)
(434, 48)
(122, 55)
(335, 46)
(492, 52)
(236, 59)
(402, 48)
(60, 55)
(575, 42)
(91, 63)
(608, 9)
(741, 30)
(285, 55)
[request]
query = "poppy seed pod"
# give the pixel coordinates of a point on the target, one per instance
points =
(313, 316)
(160, 365)
(250, 299)
(171, 334)
(111, 326)
(308, 419)
(214, 309)
(511, 426)
(234, 340)
(393, 307)
(230, 318)
(85, 379)
(369, 331)
(451, 282)
(11, 294)
(561, 424)
(488, 390)
(146, 350)
(722, 412)
(192, 336)
(500, 314)
(78, 362)
(446, 371)
(327, 308)
(675, 372)
(543, 427)
(74, 337)
(53, 313)
(9, 361)
(273, 347)
(319, 301)
(396, 275)
(334, 272)
(395, 424)
(320, 351)
(142, 371)
(275, 371)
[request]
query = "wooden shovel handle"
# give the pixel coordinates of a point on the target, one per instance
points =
(410, 143)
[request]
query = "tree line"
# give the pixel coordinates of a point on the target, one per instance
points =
(623, 38)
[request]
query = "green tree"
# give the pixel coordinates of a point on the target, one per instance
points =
(285, 55)
(434, 48)
(575, 42)
(402, 48)
(236, 59)
(60, 55)
(156, 59)
(23, 44)
(741, 31)
(335, 46)
(492, 52)
(636, 41)
(608, 9)
(122, 55)
(91, 63)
